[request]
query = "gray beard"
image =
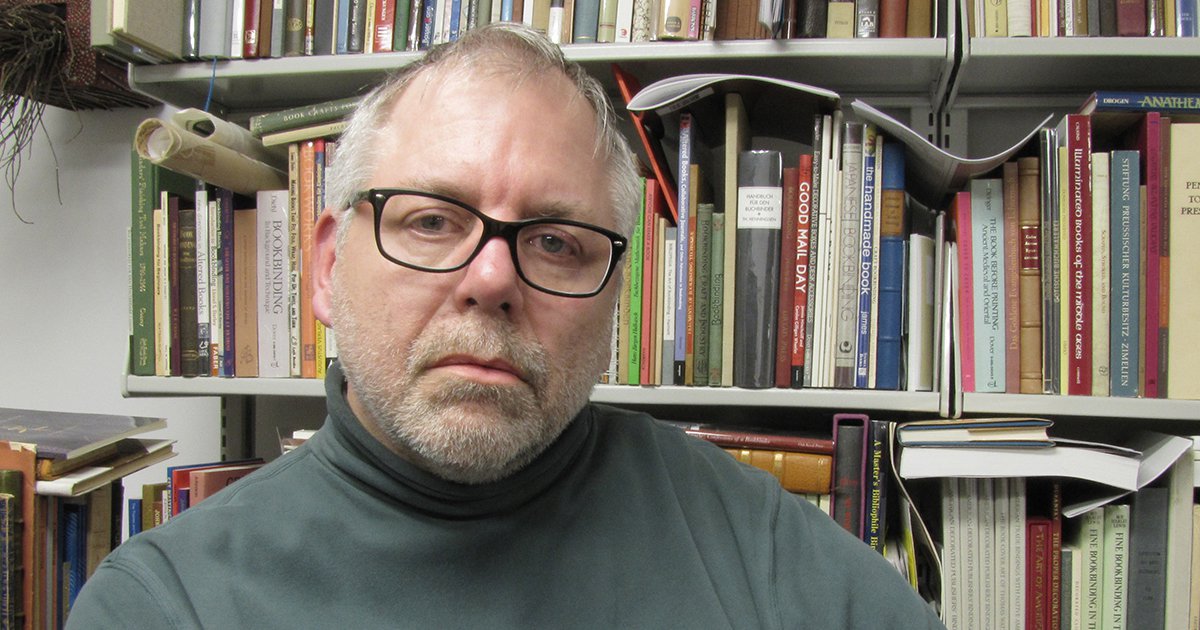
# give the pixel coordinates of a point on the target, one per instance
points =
(460, 430)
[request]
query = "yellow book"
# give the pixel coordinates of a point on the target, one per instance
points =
(1183, 206)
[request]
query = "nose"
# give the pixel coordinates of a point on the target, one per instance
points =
(490, 282)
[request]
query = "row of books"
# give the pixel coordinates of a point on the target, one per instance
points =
(153, 32)
(1082, 18)
(1064, 262)
(60, 504)
(221, 284)
(186, 485)
(1047, 532)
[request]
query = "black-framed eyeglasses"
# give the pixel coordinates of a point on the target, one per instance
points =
(431, 232)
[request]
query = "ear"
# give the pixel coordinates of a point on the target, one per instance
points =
(324, 250)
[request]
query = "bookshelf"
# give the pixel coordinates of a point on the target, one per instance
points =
(974, 94)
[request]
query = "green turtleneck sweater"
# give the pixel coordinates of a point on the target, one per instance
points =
(621, 523)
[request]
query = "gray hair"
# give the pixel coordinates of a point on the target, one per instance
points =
(504, 47)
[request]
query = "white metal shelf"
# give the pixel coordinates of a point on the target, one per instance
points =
(997, 66)
(918, 402)
(909, 67)
(1081, 406)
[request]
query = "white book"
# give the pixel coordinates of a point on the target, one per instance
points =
(668, 305)
(1020, 19)
(970, 578)
(1016, 556)
(203, 280)
(1091, 544)
(1101, 263)
(274, 267)
(624, 21)
(237, 25)
(162, 293)
(987, 567)
(987, 262)
(1116, 556)
(846, 253)
(215, 42)
(952, 609)
(216, 292)
(1002, 516)
(1181, 582)
(873, 337)
(919, 319)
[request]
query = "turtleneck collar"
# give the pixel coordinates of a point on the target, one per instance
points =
(346, 446)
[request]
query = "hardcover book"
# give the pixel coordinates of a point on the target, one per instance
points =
(1125, 312)
(760, 219)
(62, 435)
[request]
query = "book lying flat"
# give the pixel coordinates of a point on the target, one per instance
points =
(1129, 467)
(976, 433)
(71, 436)
(88, 478)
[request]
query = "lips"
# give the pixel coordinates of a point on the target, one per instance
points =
(488, 370)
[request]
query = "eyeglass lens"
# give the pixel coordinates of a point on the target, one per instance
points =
(439, 236)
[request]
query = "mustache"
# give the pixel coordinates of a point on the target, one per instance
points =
(485, 339)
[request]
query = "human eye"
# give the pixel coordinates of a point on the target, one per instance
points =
(553, 242)
(416, 217)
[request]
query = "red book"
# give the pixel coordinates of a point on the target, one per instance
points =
(787, 278)
(966, 289)
(253, 13)
(1038, 551)
(1077, 220)
(385, 16)
(802, 279)
(756, 438)
(629, 86)
(653, 204)
(1149, 145)
(1131, 18)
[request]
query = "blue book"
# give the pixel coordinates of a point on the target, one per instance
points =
(74, 549)
(586, 22)
(1127, 101)
(1187, 18)
(428, 14)
(342, 40)
(866, 264)
(134, 509)
(455, 16)
(506, 11)
(1125, 273)
(682, 247)
(228, 347)
(892, 256)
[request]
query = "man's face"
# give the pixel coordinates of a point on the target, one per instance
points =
(472, 373)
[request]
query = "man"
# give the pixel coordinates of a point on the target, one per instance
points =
(462, 480)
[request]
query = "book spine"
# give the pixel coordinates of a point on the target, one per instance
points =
(816, 227)
(1148, 557)
(203, 315)
(847, 256)
(1116, 558)
(866, 297)
(760, 220)
(987, 239)
(800, 294)
(1048, 233)
(653, 202)
(272, 122)
(891, 269)
(228, 279)
(189, 334)
(633, 356)
(1079, 290)
(274, 269)
(1183, 226)
(309, 208)
(141, 261)
(682, 247)
(796, 472)
(716, 300)
(1101, 264)
(385, 18)
(1037, 612)
(689, 352)
(966, 288)
(216, 287)
(875, 523)
(1012, 277)
(787, 279)
(1029, 220)
(670, 251)
(703, 304)
(849, 478)
(293, 37)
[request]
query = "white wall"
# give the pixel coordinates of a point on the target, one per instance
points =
(64, 284)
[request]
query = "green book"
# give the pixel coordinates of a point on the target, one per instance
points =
(716, 301)
(701, 352)
(1116, 555)
(636, 250)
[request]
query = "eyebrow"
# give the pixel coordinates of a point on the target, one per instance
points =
(552, 210)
